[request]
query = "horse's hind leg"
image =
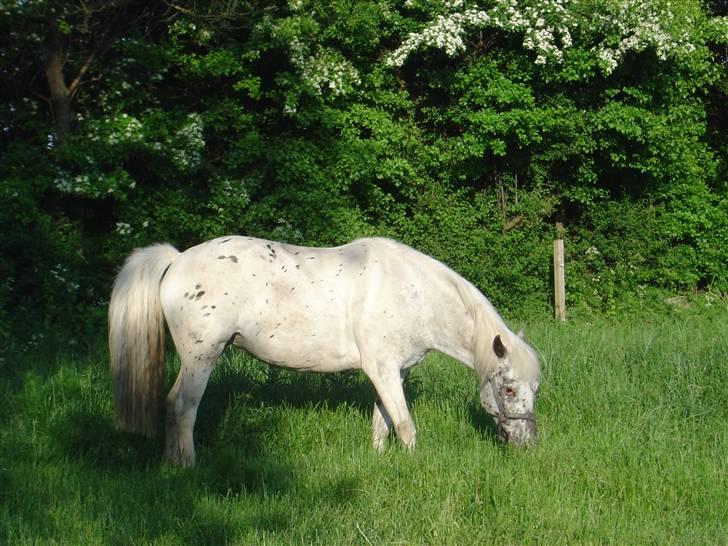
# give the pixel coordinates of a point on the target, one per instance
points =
(182, 403)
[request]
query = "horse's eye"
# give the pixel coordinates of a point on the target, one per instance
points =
(509, 391)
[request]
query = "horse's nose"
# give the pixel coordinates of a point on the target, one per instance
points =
(518, 433)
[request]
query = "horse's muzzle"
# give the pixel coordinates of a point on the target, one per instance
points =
(517, 430)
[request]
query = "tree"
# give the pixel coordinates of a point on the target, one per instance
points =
(464, 128)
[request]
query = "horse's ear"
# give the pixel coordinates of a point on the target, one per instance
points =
(498, 347)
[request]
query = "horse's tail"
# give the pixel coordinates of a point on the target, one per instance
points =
(136, 338)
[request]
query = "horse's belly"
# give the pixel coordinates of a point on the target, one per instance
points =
(300, 350)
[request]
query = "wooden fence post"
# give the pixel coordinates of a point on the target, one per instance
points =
(559, 284)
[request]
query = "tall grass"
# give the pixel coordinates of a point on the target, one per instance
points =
(633, 449)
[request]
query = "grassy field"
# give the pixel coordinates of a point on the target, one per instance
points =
(633, 449)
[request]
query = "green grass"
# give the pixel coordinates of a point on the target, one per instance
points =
(633, 449)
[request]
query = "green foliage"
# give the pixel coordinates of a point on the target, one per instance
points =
(288, 121)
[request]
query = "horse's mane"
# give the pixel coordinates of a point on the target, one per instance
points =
(488, 324)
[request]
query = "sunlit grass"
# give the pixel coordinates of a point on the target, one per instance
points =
(633, 430)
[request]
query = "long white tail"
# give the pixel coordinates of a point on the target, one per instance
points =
(136, 338)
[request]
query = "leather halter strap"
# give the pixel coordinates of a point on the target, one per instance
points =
(504, 415)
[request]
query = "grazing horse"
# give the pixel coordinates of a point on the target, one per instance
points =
(374, 305)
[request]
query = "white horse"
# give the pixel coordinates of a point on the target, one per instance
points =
(374, 305)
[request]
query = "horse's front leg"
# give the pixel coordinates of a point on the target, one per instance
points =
(381, 425)
(390, 409)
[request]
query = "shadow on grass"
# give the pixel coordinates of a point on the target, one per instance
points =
(483, 423)
(129, 495)
(150, 501)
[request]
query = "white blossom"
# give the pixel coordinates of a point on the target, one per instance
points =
(122, 228)
(325, 72)
(188, 142)
(548, 28)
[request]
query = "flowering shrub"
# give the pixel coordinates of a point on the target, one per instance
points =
(464, 127)
(609, 29)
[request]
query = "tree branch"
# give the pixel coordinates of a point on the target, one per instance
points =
(72, 87)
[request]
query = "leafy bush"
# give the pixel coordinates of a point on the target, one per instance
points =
(465, 130)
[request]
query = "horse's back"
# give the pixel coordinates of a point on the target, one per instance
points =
(287, 304)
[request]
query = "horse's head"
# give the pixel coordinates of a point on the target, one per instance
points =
(507, 394)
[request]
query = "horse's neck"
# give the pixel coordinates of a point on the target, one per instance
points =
(470, 322)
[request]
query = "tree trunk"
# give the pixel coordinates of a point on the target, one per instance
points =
(60, 97)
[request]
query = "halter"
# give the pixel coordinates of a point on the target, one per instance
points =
(504, 415)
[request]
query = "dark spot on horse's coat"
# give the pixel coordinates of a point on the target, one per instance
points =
(312, 257)
(298, 266)
(233, 259)
(206, 315)
(198, 286)
(213, 306)
(270, 336)
(226, 293)
(221, 257)
(186, 294)
(199, 341)
(225, 241)
(192, 296)
(296, 253)
(204, 307)
(199, 295)
(293, 288)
